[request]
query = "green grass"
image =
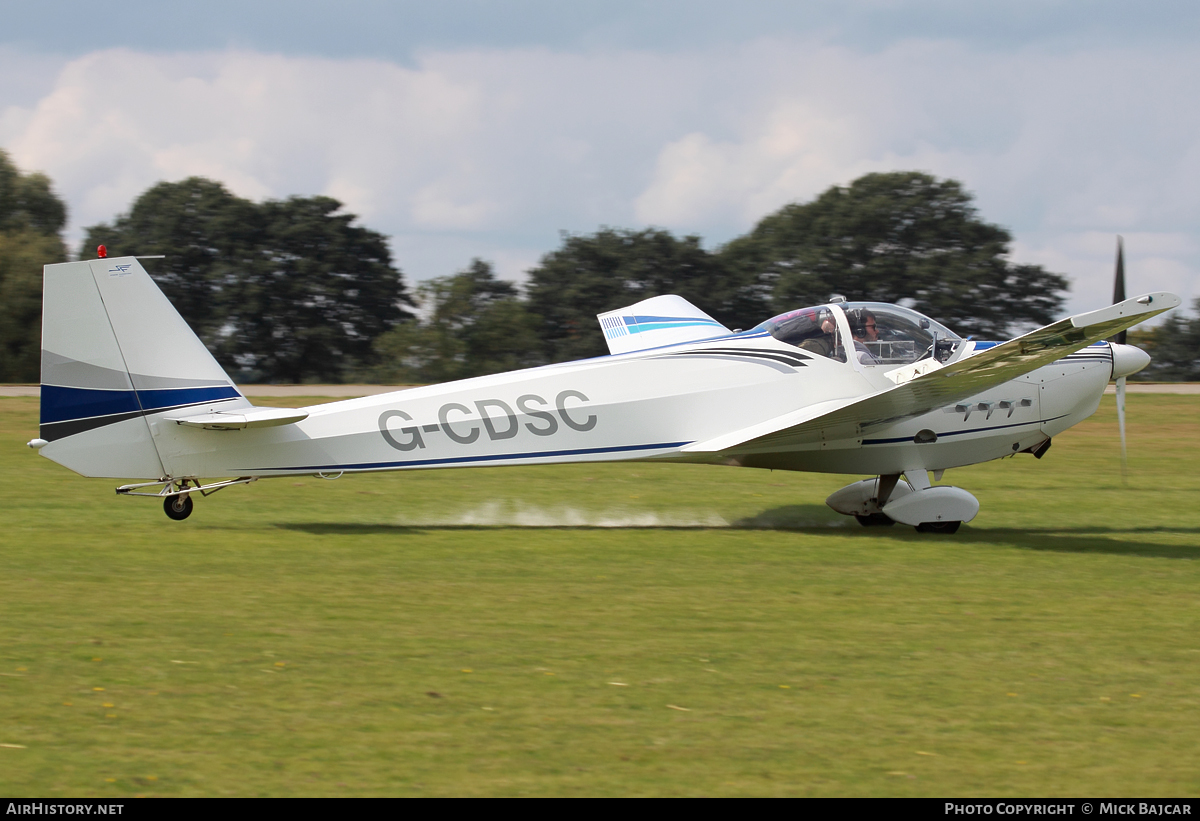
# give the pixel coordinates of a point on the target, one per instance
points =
(375, 635)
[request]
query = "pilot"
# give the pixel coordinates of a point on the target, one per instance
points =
(864, 329)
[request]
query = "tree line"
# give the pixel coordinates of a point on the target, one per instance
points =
(296, 291)
(31, 223)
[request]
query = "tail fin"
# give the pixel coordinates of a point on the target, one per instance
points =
(658, 321)
(114, 352)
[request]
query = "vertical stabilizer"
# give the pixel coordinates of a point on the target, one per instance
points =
(114, 352)
(658, 321)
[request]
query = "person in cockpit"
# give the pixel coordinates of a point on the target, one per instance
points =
(824, 343)
(864, 329)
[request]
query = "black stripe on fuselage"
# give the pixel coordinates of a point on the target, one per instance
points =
(796, 360)
(52, 431)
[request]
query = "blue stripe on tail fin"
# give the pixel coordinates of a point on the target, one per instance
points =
(658, 321)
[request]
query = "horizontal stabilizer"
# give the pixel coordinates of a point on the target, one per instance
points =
(658, 321)
(244, 418)
(955, 381)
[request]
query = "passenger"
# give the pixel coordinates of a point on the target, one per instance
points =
(824, 343)
(864, 329)
(811, 329)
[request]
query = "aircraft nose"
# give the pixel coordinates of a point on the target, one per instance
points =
(1128, 360)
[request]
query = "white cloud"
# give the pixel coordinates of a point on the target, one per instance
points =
(1153, 262)
(264, 125)
(492, 152)
(699, 181)
(1057, 146)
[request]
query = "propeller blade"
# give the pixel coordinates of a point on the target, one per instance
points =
(1121, 425)
(1119, 296)
(1119, 285)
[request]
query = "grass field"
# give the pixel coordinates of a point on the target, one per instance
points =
(608, 630)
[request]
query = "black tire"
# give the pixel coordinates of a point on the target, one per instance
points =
(938, 527)
(875, 520)
(178, 507)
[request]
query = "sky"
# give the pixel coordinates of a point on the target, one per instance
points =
(476, 128)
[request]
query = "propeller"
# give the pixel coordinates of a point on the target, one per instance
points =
(1119, 296)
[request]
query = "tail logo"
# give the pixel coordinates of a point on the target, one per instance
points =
(120, 270)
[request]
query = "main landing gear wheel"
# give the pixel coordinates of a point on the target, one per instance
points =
(875, 520)
(178, 507)
(938, 527)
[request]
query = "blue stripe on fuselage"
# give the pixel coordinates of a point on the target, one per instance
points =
(983, 345)
(457, 460)
(897, 439)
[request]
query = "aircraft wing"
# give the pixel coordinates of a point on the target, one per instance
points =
(957, 380)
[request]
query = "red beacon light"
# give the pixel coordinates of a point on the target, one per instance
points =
(101, 252)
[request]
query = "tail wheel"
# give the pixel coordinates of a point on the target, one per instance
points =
(938, 527)
(875, 520)
(178, 507)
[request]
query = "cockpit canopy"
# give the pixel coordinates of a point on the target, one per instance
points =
(899, 336)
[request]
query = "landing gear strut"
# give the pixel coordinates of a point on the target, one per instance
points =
(177, 493)
(865, 500)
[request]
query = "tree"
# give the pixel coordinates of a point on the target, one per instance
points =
(317, 293)
(31, 217)
(208, 238)
(610, 269)
(475, 325)
(22, 255)
(280, 291)
(901, 237)
(1174, 348)
(27, 201)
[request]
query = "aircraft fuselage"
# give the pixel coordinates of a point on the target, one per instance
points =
(644, 405)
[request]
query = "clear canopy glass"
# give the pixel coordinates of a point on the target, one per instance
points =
(881, 334)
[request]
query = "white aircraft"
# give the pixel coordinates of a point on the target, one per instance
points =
(128, 391)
